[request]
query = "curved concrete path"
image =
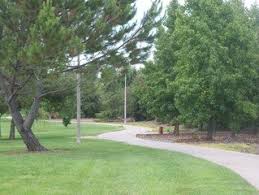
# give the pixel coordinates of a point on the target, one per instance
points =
(246, 165)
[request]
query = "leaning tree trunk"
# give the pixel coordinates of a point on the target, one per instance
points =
(31, 141)
(28, 137)
(24, 126)
(211, 128)
(12, 130)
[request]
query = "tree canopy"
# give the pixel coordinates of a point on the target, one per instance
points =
(205, 68)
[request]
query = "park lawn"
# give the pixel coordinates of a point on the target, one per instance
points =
(103, 167)
(237, 147)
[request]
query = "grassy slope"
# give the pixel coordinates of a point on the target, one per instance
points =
(238, 147)
(101, 167)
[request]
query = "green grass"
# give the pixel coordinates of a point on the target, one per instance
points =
(103, 167)
(237, 147)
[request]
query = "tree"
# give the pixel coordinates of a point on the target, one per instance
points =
(215, 69)
(156, 91)
(39, 38)
(254, 16)
(36, 43)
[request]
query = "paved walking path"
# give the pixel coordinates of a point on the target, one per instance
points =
(246, 165)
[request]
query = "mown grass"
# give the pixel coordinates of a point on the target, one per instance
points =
(103, 167)
(237, 147)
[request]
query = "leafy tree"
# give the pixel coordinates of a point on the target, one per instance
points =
(156, 91)
(215, 69)
(39, 38)
(254, 15)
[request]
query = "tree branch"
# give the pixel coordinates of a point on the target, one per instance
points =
(34, 107)
(56, 91)
(19, 88)
(71, 68)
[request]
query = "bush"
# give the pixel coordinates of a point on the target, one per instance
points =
(66, 121)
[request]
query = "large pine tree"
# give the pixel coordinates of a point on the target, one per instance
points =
(39, 38)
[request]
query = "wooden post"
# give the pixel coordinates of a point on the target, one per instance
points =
(161, 130)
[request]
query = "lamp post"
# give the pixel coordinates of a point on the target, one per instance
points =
(78, 97)
(125, 100)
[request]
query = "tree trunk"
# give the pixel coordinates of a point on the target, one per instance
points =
(31, 142)
(12, 130)
(177, 129)
(211, 128)
(24, 127)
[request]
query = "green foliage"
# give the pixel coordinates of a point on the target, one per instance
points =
(205, 66)
(66, 121)
(45, 36)
(155, 90)
(215, 69)
(37, 41)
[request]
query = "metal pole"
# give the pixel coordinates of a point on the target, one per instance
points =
(78, 94)
(125, 101)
